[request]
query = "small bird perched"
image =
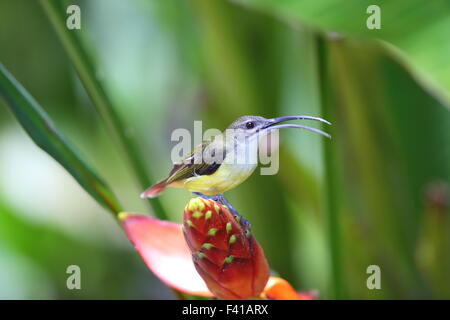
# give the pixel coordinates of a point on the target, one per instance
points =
(222, 163)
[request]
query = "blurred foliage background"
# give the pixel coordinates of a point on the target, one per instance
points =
(378, 193)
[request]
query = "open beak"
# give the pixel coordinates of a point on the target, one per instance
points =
(272, 124)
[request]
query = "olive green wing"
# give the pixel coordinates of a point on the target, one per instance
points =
(188, 169)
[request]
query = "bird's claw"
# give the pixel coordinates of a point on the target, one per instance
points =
(222, 200)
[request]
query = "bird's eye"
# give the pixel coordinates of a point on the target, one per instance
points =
(250, 125)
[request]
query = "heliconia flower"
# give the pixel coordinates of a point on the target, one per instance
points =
(163, 248)
(225, 253)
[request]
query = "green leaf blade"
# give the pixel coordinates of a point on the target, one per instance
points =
(84, 67)
(44, 133)
(413, 31)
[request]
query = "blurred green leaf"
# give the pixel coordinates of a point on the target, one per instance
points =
(44, 133)
(415, 31)
(51, 250)
(86, 71)
(384, 173)
(434, 247)
(332, 186)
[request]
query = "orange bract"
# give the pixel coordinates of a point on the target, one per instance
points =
(280, 289)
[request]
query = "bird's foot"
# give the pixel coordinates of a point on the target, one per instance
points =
(222, 200)
(217, 198)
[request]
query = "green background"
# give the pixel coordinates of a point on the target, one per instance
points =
(376, 194)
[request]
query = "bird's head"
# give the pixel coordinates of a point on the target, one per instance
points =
(254, 125)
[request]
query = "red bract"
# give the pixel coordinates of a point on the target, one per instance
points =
(225, 253)
(162, 247)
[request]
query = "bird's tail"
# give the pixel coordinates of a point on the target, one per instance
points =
(154, 190)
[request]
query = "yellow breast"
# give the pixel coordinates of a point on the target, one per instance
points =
(225, 178)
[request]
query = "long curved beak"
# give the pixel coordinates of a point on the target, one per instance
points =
(271, 125)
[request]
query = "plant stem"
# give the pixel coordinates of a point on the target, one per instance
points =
(85, 70)
(331, 188)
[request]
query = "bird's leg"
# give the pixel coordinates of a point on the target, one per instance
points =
(217, 198)
(221, 199)
(237, 215)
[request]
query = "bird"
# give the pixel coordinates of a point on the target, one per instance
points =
(222, 162)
